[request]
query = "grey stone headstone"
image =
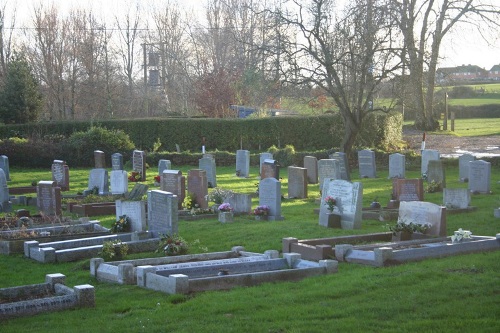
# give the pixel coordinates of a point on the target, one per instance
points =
(198, 185)
(60, 174)
(117, 161)
(99, 178)
(349, 197)
(5, 205)
(270, 168)
(463, 166)
(422, 212)
(366, 163)
(135, 210)
(241, 203)
(174, 182)
(49, 198)
(436, 173)
(137, 192)
(119, 182)
(139, 163)
(479, 176)
(99, 159)
(262, 158)
(328, 168)
(427, 155)
(243, 163)
(177, 148)
(397, 166)
(270, 195)
(297, 182)
(409, 189)
(164, 165)
(207, 163)
(343, 164)
(311, 164)
(456, 198)
(162, 213)
(4, 165)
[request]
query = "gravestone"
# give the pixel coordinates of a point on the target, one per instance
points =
(349, 197)
(60, 174)
(241, 203)
(458, 198)
(207, 163)
(119, 182)
(427, 155)
(4, 165)
(136, 212)
(270, 169)
(174, 182)
(479, 176)
(409, 189)
(49, 198)
(139, 163)
(397, 166)
(311, 164)
(463, 166)
(117, 161)
(99, 159)
(164, 165)
(177, 148)
(5, 204)
(242, 163)
(343, 164)
(198, 185)
(436, 173)
(262, 158)
(137, 192)
(99, 178)
(328, 168)
(421, 212)
(366, 163)
(270, 195)
(297, 182)
(162, 213)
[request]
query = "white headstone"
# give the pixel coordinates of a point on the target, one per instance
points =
(456, 198)
(119, 182)
(436, 173)
(427, 155)
(349, 197)
(397, 166)
(479, 176)
(241, 203)
(421, 212)
(99, 178)
(270, 195)
(463, 166)
(135, 210)
(243, 163)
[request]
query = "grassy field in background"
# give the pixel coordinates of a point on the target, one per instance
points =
(452, 294)
(470, 127)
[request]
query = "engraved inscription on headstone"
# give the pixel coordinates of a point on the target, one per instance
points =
(60, 174)
(162, 213)
(139, 163)
(117, 161)
(456, 198)
(409, 189)
(422, 212)
(349, 197)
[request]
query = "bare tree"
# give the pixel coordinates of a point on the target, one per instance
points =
(5, 39)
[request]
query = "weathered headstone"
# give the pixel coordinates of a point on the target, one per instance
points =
(139, 163)
(164, 165)
(135, 211)
(463, 166)
(343, 164)
(311, 164)
(421, 212)
(99, 159)
(162, 213)
(99, 178)
(60, 174)
(241, 203)
(479, 176)
(4, 165)
(328, 168)
(119, 182)
(270, 195)
(349, 198)
(174, 182)
(262, 158)
(242, 163)
(49, 198)
(297, 182)
(207, 163)
(117, 161)
(366, 163)
(436, 173)
(270, 168)
(456, 198)
(198, 185)
(397, 166)
(409, 189)
(5, 204)
(137, 192)
(177, 148)
(427, 155)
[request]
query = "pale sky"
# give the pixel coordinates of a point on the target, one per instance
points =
(463, 48)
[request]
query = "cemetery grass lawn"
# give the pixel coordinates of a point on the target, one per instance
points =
(437, 295)
(470, 127)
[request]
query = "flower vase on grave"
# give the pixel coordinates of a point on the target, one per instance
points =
(333, 219)
(226, 217)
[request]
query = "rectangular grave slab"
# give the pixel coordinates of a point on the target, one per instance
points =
(297, 182)
(198, 185)
(135, 210)
(270, 195)
(463, 166)
(119, 182)
(98, 178)
(343, 163)
(328, 168)
(242, 163)
(117, 161)
(49, 198)
(139, 163)
(427, 155)
(174, 182)
(366, 162)
(162, 213)
(397, 166)
(456, 198)
(207, 163)
(311, 164)
(164, 165)
(479, 176)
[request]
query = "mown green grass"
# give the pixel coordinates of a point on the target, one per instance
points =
(469, 127)
(452, 294)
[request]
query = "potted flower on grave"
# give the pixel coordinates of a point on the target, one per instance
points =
(157, 180)
(330, 202)
(403, 231)
(375, 204)
(134, 176)
(461, 235)
(332, 218)
(172, 245)
(225, 213)
(217, 196)
(261, 212)
(123, 224)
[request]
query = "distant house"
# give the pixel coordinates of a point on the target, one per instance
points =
(494, 73)
(461, 73)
